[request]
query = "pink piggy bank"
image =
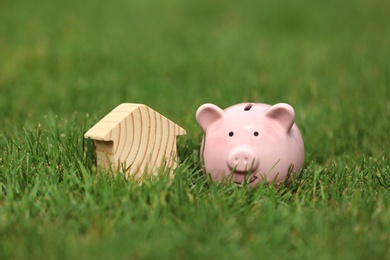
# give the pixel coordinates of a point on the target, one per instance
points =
(249, 142)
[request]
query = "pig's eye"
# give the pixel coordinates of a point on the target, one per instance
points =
(231, 134)
(256, 133)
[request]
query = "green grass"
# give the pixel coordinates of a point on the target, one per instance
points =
(65, 64)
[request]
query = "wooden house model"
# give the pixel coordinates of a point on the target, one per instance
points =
(135, 140)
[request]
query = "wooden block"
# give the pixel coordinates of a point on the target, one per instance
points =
(136, 140)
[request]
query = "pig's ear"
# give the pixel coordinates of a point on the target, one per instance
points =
(283, 114)
(208, 114)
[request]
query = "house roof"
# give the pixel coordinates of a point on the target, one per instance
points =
(102, 131)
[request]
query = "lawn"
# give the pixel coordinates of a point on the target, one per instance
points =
(66, 64)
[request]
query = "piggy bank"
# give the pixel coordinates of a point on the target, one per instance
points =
(249, 142)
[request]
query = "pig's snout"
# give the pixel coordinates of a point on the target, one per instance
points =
(243, 159)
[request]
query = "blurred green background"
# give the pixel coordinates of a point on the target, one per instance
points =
(328, 59)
